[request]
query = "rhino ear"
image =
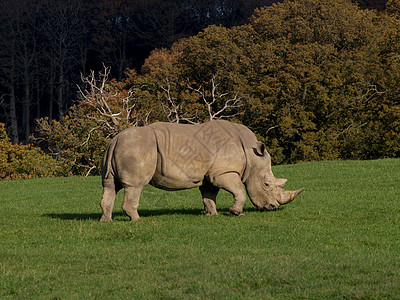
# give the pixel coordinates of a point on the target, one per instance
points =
(280, 182)
(260, 148)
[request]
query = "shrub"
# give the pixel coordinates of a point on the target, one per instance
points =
(24, 161)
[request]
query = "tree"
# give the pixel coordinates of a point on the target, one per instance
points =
(311, 73)
(9, 70)
(61, 27)
(319, 64)
(106, 107)
(393, 8)
(40, 43)
(20, 46)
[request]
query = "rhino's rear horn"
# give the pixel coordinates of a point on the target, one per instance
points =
(280, 182)
(289, 196)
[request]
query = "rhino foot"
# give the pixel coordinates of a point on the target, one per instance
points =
(208, 213)
(105, 219)
(236, 212)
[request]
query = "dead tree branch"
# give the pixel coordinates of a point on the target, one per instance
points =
(172, 108)
(357, 102)
(351, 126)
(113, 111)
(216, 97)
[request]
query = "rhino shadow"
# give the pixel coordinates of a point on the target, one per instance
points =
(143, 213)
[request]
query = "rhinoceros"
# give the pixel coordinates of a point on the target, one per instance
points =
(211, 156)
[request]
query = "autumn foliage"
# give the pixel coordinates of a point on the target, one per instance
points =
(319, 79)
(24, 161)
(314, 79)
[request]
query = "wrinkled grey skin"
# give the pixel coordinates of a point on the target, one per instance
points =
(212, 156)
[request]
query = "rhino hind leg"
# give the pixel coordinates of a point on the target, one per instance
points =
(131, 202)
(107, 201)
(232, 183)
(209, 194)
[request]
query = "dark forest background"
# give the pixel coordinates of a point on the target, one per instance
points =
(46, 45)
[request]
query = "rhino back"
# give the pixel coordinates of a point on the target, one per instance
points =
(188, 154)
(181, 160)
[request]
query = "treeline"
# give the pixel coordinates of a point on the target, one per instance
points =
(47, 44)
(314, 79)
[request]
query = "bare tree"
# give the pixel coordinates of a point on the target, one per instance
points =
(114, 111)
(62, 27)
(220, 105)
(9, 77)
(173, 109)
(18, 51)
(159, 23)
(217, 104)
(113, 34)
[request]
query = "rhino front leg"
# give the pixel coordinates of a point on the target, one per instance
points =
(131, 202)
(209, 194)
(232, 183)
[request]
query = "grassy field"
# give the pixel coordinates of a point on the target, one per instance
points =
(339, 239)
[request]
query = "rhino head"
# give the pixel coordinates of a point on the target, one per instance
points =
(265, 191)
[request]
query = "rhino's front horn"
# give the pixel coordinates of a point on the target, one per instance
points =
(289, 196)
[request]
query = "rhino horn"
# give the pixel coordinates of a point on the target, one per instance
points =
(289, 196)
(280, 182)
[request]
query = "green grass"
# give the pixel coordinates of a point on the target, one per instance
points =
(339, 239)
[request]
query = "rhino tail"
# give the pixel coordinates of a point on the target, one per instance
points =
(107, 171)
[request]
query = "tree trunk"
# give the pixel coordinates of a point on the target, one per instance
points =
(60, 99)
(12, 108)
(26, 108)
(51, 96)
(37, 83)
(13, 116)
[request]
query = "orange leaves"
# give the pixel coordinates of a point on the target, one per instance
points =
(24, 161)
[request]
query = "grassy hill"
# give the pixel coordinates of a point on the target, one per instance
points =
(338, 239)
